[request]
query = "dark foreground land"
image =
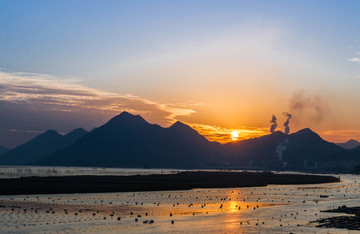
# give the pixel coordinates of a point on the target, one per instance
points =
(180, 181)
(344, 222)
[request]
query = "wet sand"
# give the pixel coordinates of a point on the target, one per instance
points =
(179, 181)
(269, 209)
(117, 212)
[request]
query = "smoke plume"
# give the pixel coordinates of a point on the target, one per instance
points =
(310, 110)
(274, 124)
(286, 124)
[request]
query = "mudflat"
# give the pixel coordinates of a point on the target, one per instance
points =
(156, 182)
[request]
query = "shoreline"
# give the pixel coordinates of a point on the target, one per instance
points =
(155, 182)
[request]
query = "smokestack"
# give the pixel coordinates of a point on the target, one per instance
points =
(286, 124)
(273, 125)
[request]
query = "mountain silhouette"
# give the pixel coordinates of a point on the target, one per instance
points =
(3, 150)
(277, 150)
(260, 151)
(344, 160)
(350, 144)
(346, 155)
(308, 145)
(40, 147)
(129, 141)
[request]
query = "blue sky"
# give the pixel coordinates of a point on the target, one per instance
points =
(79, 37)
(191, 57)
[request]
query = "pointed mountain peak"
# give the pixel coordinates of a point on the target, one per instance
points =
(352, 141)
(350, 144)
(125, 118)
(74, 135)
(77, 131)
(127, 115)
(308, 134)
(184, 128)
(50, 132)
(179, 124)
(306, 131)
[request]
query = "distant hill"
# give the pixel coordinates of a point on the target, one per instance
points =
(345, 160)
(308, 145)
(129, 141)
(350, 144)
(3, 150)
(303, 149)
(40, 147)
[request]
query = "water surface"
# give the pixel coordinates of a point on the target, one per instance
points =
(275, 209)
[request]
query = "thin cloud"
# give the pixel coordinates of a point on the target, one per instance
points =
(355, 60)
(26, 131)
(68, 95)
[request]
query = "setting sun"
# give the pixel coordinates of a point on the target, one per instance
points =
(234, 136)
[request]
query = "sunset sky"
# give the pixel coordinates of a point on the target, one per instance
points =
(219, 66)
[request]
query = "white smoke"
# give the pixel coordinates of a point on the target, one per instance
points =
(279, 151)
(274, 124)
(286, 124)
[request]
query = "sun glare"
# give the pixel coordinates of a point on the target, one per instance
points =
(234, 136)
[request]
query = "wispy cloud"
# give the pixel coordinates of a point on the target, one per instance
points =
(26, 131)
(68, 95)
(42, 101)
(355, 60)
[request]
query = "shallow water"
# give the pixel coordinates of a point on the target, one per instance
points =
(275, 209)
(26, 171)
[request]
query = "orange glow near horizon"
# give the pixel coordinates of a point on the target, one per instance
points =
(224, 135)
(234, 136)
(340, 136)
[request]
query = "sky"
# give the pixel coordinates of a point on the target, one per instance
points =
(219, 66)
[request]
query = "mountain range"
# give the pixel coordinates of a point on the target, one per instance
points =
(303, 149)
(345, 160)
(350, 144)
(130, 141)
(40, 147)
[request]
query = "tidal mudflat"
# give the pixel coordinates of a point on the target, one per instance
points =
(154, 182)
(274, 208)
